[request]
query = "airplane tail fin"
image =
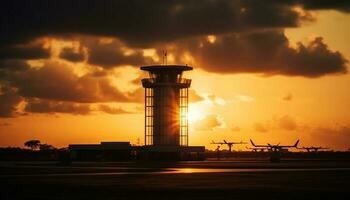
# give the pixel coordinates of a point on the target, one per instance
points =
(251, 141)
(296, 144)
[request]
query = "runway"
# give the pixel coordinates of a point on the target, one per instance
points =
(184, 180)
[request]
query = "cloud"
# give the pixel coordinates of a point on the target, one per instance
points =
(208, 123)
(5, 124)
(288, 97)
(137, 96)
(46, 106)
(13, 65)
(244, 98)
(287, 122)
(245, 31)
(9, 100)
(337, 135)
(72, 54)
(215, 99)
(152, 21)
(236, 129)
(147, 22)
(194, 97)
(57, 81)
(112, 53)
(340, 5)
(33, 50)
(54, 87)
(260, 127)
(111, 110)
(265, 52)
(246, 37)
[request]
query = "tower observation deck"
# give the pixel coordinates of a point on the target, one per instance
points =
(166, 105)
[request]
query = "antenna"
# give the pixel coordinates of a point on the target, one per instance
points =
(165, 57)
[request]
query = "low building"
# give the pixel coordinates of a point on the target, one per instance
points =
(124, 151)
(105, 151)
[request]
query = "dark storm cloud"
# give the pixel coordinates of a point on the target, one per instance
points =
(110, 54)
(72, 55)
(56, 81)
(9, 100)
(243, 45)
(268, 13)
(139, 22)
(266, 52)
(341, 5)
(13, 65)
(24, 51)
(46, 106)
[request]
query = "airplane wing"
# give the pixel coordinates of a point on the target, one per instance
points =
(212, 142)
(289, 146)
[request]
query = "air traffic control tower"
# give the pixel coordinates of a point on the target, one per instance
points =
(166, 111)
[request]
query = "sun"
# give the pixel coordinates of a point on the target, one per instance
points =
(194, 113)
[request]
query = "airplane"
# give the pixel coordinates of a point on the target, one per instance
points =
(256, 149)
(276, 147)
(229, 144)
(312, 148)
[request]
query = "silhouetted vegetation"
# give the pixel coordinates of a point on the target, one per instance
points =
(36, 151)
(33, 144)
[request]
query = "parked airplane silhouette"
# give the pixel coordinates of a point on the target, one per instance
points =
(312, 148)
(229, 144)
(256, 149)
(276, 147)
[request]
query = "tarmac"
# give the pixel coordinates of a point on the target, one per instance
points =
(229, 179)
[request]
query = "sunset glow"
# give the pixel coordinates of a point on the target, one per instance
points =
(195, 114)
(275, 80)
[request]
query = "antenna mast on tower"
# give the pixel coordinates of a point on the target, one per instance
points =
(165, 58)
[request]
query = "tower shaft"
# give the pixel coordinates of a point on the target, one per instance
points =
(166, 105)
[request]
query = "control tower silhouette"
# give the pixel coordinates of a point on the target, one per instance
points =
(166, 105)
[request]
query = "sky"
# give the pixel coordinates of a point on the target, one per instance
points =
(272, 71)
